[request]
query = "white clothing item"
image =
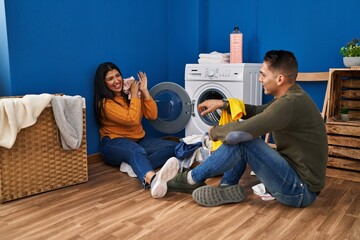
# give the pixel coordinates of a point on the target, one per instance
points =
(195, 138)
(189, 161)
(126, 168)
(215, 55)
(260, 190)
(207, 143)
(210, 60)
(200, 154)
(18, 113)
(126, 87)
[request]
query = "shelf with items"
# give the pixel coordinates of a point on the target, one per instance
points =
(344, 136)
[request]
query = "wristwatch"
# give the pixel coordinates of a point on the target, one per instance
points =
(226, 104)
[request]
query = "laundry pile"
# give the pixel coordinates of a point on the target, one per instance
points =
(194, 148)
(214, 57)
(19, 113)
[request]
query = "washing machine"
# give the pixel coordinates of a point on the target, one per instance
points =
(177, 107)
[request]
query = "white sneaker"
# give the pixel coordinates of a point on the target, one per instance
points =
(126, 168)
(158, 187)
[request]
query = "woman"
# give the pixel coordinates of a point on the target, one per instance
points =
(123, 139)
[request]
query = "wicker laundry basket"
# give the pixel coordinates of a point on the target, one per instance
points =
(37, 162)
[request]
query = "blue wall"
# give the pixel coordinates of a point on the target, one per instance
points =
(5, 84)
(55, 46)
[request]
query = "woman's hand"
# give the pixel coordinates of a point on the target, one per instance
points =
(134, 89)
(143, 85)
(210, 106)
(142, 81)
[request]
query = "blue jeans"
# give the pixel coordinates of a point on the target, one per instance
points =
(143, 156)
(278, 176)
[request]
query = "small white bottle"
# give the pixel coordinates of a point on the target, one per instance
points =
(236, 45)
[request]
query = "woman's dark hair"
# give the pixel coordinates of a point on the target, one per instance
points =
(101, 91)
(284, 61)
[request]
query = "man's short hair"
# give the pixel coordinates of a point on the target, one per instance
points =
(282, 61)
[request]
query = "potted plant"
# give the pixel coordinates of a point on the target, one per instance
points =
(351, 53)
(344, 114)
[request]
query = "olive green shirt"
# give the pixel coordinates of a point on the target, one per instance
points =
(298, 131)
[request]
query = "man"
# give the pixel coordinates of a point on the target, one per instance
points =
(294, 173)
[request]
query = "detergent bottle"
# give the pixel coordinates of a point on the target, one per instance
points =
(236, 45)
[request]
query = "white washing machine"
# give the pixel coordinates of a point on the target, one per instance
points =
(219, 81)
(177, 107)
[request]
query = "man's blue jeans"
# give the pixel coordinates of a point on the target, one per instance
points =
(143, 156)
(278, 176)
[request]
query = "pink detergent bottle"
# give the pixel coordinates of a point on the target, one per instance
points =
(236, 44)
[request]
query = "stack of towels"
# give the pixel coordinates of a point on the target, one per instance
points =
(214, 57)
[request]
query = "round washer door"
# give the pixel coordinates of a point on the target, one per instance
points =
(174, 107)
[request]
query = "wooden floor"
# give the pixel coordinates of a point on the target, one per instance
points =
(112, 205)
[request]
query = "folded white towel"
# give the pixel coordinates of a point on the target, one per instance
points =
(68, 114)
(215, 55)
(18, 113)
(209, 60)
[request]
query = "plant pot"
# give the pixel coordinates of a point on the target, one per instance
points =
(351, 61)
(344, 117)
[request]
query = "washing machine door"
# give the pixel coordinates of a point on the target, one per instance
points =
(174, 107)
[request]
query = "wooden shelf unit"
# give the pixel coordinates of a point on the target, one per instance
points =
(344, 137)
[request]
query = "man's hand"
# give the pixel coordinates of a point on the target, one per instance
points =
(210, 106)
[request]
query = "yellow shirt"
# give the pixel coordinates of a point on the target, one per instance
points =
(121, 120)
(237, 109)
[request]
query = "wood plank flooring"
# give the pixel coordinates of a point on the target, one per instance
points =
(112, 205)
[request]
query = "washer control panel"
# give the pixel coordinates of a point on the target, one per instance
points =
(223, 73)
(218, 72)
